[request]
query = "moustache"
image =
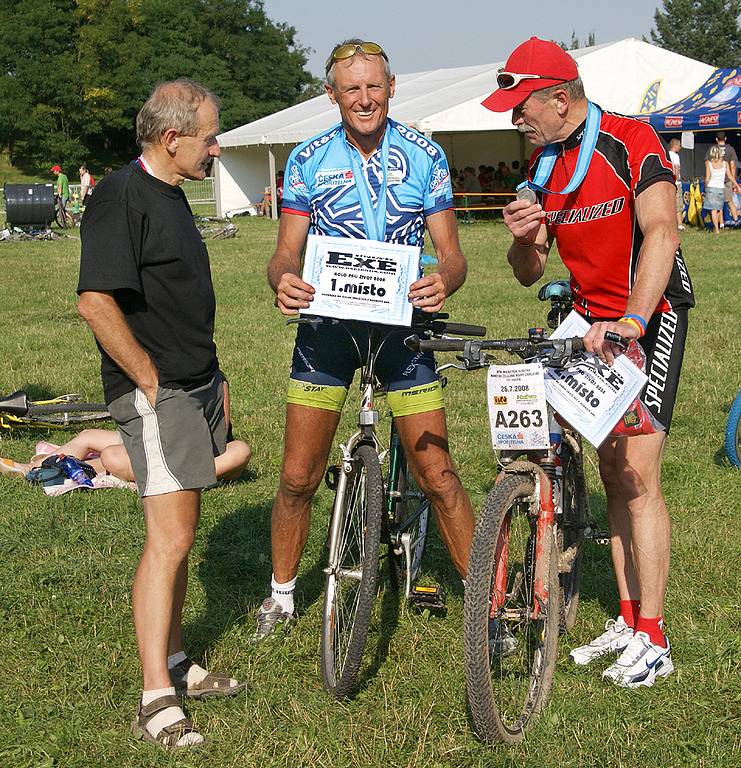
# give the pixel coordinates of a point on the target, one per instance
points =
(524, 128)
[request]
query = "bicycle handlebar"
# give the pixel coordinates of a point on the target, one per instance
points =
(434, 323)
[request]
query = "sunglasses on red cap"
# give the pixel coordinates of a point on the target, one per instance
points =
(508, 80)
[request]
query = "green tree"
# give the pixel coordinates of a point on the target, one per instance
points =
(707, 30)
(75, 72)
(574, 44)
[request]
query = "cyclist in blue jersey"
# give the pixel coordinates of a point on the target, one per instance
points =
(327, 180)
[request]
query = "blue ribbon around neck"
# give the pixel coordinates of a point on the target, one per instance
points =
(551, 152)
(374, 217)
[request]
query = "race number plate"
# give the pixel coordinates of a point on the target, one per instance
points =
(517, 407)
(360, 279)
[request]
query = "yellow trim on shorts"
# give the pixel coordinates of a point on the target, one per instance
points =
(419, 399)
(323, 396)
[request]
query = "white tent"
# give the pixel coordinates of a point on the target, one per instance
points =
(629, 76)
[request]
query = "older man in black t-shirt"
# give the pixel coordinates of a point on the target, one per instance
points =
(146, 293)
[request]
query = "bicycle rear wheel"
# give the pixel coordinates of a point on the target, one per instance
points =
(574, 520)
(510, 651)
(62, 414)
(411, 519)
(733, 432)
(352, 574)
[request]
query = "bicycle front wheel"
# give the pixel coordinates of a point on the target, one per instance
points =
(570, 535)
(733, 432)
(63, 414)
(411, 518)
(352, 574)
(510, 635)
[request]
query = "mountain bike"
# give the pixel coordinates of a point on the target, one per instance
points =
(733, 432)
(377, 500)
(523, 580)
(16, 410)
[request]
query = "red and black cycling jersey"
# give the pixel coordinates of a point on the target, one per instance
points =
(598, 235)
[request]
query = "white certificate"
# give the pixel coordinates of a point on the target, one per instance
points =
(360, 279)
(592, 396)
(518, 414)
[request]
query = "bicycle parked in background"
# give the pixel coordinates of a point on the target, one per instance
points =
(377, 501)
(16, 410)
(524, 568)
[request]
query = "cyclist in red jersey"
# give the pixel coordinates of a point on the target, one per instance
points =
(611, 213)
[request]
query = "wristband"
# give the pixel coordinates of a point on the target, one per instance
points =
(636, 321)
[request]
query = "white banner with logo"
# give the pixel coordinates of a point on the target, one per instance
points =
(360, 279)
(591, 395)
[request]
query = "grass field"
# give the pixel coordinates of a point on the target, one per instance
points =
(70, 675)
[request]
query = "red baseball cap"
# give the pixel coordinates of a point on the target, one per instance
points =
(57, 168)
(546, 63)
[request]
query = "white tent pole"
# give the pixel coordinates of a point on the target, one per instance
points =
(217, 187)
(273, 190)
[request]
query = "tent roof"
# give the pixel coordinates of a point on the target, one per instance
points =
(715, 105)
(626, 76)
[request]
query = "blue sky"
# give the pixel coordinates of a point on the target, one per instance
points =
(444, 33)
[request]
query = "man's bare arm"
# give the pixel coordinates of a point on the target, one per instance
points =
(284, 268)
(108, 324)
(430, 292)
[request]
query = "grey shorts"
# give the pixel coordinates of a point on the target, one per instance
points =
(728, 191)
(172, 446)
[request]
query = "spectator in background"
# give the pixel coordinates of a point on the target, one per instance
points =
(265, 206)
(674, 146)
(279, 189)
(61, 188)
(484, 180)
(717, 175)
(501, 175)
(470, 182)
(87, 182)
(728, 154)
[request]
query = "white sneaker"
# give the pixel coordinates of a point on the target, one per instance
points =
(614, 639)
(640, 663)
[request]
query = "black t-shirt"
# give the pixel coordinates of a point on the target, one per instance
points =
(140, 243)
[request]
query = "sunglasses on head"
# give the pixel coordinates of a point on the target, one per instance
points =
(507, 80)
(350, 49)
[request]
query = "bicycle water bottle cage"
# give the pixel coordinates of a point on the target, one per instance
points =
(15, 404)
(556, 289)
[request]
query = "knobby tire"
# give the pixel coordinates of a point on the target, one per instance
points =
(345, 623)
(507, 690)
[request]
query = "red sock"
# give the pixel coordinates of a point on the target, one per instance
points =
(629, 611)
(653, 627)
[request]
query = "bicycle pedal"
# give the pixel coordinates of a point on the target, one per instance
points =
(601, 537)
(430, 597)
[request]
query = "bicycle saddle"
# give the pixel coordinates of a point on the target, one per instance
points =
(15, 404)
(559, 289)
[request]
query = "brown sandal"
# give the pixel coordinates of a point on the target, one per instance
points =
(169, 736)
(214, 684)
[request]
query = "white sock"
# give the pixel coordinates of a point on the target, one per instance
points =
(283, 593)
(196, 673)
(168, 717)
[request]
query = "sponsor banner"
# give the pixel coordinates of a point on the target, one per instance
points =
(360, 279)
(710, 119)
(673, 122)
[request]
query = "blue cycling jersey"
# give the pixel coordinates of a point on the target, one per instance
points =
(319, 183)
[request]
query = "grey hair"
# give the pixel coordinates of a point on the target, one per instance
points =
(574, 88)
(173, 104)
(329, 64)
